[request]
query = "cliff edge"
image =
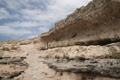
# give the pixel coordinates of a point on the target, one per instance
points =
(94, 24)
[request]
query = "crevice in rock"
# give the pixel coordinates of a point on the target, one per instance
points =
(16, 75)
(100, 42)
(103, 67)
(1, 58)
(17, 65)
(11, 77)
(19, 61)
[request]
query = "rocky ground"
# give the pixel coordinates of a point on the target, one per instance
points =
(13, 56)
(34, 65)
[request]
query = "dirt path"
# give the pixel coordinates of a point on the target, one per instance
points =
(39, 71)
(36, 70)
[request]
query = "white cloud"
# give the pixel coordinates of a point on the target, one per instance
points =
(44, 10)
(22, 24)
(27, 24)
(50, 10)
(4, 14)
(43, 29)
(9, 31)
(32, 36)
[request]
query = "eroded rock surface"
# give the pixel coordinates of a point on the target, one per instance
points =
(12, 67)
(104, 67)
(88, 52)
(97, 23)
(37, 70)
(91, 33)
(13, 55)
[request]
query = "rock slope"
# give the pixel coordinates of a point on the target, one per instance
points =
(97, 23)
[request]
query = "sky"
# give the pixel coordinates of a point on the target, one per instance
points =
(20, 19)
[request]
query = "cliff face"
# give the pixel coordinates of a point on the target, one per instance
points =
(86, 42)
(97, 23)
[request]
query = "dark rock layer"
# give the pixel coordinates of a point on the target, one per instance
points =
(12, 67)
(104, 67)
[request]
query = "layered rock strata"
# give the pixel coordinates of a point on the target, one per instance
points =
(104, 67)
(13, 58)
(12, 67)
(86, 42)
(94, 60)
(97, 23)
(88, 52)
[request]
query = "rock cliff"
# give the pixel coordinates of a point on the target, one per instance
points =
(87, 41)
(95, 24)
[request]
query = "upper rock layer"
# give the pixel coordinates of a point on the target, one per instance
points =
(97, 23)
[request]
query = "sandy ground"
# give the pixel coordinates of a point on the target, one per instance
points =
(36, 70)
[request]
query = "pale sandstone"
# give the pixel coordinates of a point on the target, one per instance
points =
(96, 23)
(81, 51)
(11, 67)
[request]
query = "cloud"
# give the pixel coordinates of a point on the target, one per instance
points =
(28, 4)
(43, 29)
(9, 31)
(55, 10)
(31, 36)
(43, 10)
(27, 24)
(23, 24)
(13, 4)
(4, 14)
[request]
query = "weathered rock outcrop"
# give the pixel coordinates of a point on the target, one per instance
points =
(104, 67)
(86, 42)
(12, 67)
(97, 23)
(95, 60)
(88, 52)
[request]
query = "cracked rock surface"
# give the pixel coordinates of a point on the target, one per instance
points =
(104, 67)
(96, 23)
(12, 67)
